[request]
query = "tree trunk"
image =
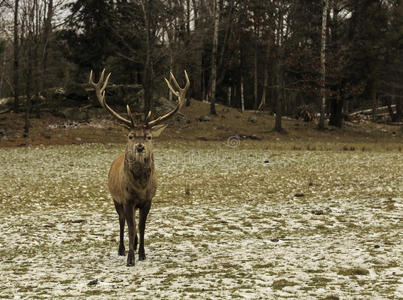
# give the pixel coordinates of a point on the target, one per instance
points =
(265, 76)
(148, 68)
(373, 100)
(399, 108)
(255, 74)
(229, 95)
(16, 58)
(228, 25)
(28, 79)
(336, 112)
(188, 18)
(35, 59)
(279, 95)
(242, 96)
(197, 85)
(279, 72)
(170, 31)
(214, 58)
(46, 41)
(390, 109)
(3, 65)
(171, 35)
(321, 124)
(171, 63)
(255, 61)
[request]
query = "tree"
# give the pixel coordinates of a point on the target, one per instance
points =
(3, 64)
(46, 39)
(367, 26)
(323, 65)
(149, 64)
(89, 35)
(214, 57)
(281, 29)
(391, 86)
(16, 57)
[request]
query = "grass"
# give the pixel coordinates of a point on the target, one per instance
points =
(224, 223)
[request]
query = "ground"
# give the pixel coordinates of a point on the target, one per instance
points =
(302, 214)
(51, 130)
(230, 220)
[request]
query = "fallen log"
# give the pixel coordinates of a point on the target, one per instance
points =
(379, 110)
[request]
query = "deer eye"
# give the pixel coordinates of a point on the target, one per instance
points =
(148, 137)
(130, 136)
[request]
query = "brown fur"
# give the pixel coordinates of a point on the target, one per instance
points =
(132, 179)
(118, 179)
(132, 182)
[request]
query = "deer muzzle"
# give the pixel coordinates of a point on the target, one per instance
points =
(140, 148)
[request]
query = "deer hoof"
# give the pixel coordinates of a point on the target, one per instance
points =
(130, 259)
(142, 256)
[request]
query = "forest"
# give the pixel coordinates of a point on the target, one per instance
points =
(331, 57)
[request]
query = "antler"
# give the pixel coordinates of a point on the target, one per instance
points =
(100, 87)
(180, 93)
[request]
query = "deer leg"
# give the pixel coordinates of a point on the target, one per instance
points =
(131, 224)
(142, 226)
(121, 213)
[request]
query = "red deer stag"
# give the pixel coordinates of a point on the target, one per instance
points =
(132, 179)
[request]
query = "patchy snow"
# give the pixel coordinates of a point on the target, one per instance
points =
(242, 232)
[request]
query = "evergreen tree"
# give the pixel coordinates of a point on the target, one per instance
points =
(89, 34)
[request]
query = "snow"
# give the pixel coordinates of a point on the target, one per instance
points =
(241, 233)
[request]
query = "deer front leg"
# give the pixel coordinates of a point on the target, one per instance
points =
(131, 225)
(121, 213)
(142, 226)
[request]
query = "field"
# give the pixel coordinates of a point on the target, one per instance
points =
(230, 220)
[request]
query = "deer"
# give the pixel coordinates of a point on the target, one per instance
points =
(132, 178)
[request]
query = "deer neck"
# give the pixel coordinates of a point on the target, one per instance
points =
(139, 174)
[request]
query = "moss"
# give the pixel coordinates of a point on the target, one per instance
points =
(320, 281)
(264, 266)
(314, 271)
(353, 271)
(331, 297)
(282, 283)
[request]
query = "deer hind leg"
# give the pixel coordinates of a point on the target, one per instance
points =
(131, 224)
(121, 212)
(142, 226)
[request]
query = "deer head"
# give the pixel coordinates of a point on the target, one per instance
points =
(141, 133)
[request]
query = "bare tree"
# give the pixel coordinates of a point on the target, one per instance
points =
(214, 57)
(321, 124)
(256, 31)
(16, 57)
(265, 75)
(49, 13)
(279, 50)
(146, 6)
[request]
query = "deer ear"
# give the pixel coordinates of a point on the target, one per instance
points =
(158, 129)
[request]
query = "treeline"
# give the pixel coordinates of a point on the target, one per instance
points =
(277, 55)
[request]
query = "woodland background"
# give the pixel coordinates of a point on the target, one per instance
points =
(330, 57)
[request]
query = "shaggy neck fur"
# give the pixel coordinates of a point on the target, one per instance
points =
(138, 170)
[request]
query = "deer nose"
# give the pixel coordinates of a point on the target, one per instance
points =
(139, 148)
